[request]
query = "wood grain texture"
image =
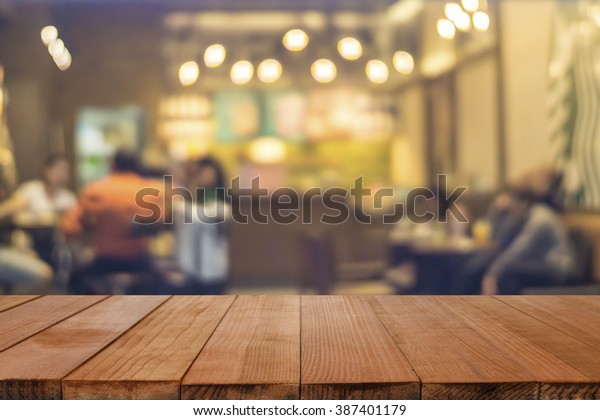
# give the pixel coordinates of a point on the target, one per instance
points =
(25, 320)
(450, 354)
(253, 354)
(149, 361)
(33, 369)
(348, 354)
(577, 316)
(581, 375)
(7, 302)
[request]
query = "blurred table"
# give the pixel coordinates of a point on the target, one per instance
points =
(290, 347)
(436, 261)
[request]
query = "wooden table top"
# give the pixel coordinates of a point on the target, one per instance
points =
(312, 347)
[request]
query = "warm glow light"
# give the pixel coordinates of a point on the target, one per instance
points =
(403, 62)
(295, 40)
(188, 73)
(350, 48)
(377, 71)
(463, 21)
(323, 70)
(64, 60)
(214, 55)
(56, 48)
(49, 34)
(242, 72)
(267, 150)
(470, 5)
(446, 28)
(481, 21)
(452, 10)
(269, 71)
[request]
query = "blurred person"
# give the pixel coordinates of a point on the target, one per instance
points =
(19, 270)
(37, 206)
(530, 248)
(202, 246)
(106, 210)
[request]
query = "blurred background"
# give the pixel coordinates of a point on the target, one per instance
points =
(311, 93)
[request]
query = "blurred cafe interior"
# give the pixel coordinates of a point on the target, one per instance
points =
(100, 99)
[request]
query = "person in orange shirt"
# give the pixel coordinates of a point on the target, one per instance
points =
(106, 209)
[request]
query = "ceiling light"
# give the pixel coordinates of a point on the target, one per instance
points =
(350, 48)
(269, 71)
(56, 48)
(188, 73)
(64, 60)
(481, 21)
(377, 71)
(295, 40)
(463, 21)
(446, 28)
(470, 5)
(49, 34)
(323, 70)
(214, 55)
(403, 62)
(242, 72)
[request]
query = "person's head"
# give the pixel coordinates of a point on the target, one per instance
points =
(125, 161)
(56, 171)
(520, 198)
(207, 174)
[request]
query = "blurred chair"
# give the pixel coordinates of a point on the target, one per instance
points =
(322, 274)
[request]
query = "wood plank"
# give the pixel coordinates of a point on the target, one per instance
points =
(580, 378)
(7, 302)
(460, 353)
(348, 354)
(253, 354)
(33, 369)
(25, 320)
(577, 316)
(149, 361)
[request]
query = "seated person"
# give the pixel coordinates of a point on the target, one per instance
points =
(539, 255)
(20, 271)
(37, 205)
(201, 230)
(106, 210)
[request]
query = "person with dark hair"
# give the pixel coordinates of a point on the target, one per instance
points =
(106, 210)
(202, 246)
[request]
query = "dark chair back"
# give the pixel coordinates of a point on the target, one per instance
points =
(583, 249)
(318, 262)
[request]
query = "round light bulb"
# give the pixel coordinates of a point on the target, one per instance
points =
(470, 5)
(188, 73)
(269, 71)
(214, 55)
(452, 10)
(56, 48)
(404, 63)
(446, 28)
(242, 72)
(49, 34)
(377, 71)
(481, 21)
(350, 48)
(323, 70)
(463, 21)
(64, 60)
(295, 40)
